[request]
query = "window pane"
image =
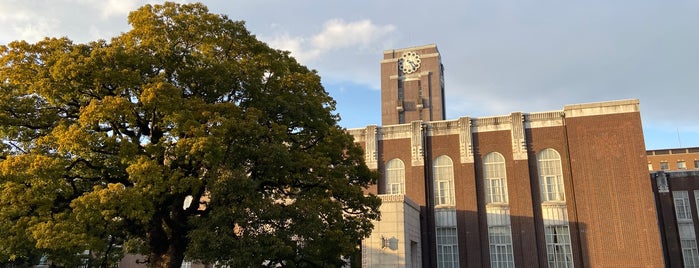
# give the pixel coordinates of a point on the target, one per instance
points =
(559, 251)
(447, 245)
(443, 181)
(690, 255)
(447, 248)
(682, 210)
(500, 240)
(494, 174)
(550, 176)
(663, 166)
(395, 177)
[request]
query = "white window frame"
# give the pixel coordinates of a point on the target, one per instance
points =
(559, 249)
(447, 247)
(551, 176)
(683, 211)
(685, 227)
(495, 178)
(395, 176)
(681, 164)
(500, 243)
(443, 172)
(445, 212)
(690, 254)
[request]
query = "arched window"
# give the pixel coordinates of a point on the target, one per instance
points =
(559, 251)
(495, 178)
(551, 176)
(498, 211)
(395, 176)
(445, 213)
(443, 181)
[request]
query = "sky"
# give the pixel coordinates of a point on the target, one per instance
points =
(499, 56)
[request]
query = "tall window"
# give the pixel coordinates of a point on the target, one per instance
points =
(500, 240)
(447, 247)
(497, 207)
(690, 256)
(685, 227)
(443, 181)
(559, 251)
(682, 210)
(495, 178)
(551, 176)
(445, 213)
(395, 177)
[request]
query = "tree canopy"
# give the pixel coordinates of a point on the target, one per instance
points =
(185, 137)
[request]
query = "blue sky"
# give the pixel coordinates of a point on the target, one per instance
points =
(499, 56)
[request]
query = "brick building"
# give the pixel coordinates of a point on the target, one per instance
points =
(673, 159)
(566, 188)
(677, 201)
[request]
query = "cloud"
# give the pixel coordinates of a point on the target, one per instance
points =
(34, 20)
(293, 44)
(336, 34)
(27, 24)
(121, 8)
(116, 8)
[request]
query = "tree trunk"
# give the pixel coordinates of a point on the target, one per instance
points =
(167, 244)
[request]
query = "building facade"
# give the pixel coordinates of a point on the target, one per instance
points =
(677, 201)
(673, 159)
(566, 188)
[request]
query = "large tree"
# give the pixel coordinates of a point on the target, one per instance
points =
(185, 137)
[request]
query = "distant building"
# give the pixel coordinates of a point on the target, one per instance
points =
(673, 159)
(565, 188)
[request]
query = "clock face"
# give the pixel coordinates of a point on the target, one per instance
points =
(409, 62)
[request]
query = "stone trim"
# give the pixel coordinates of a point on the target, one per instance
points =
(544, 119)
(358, 134)
(602, 108)
(398, 198)
(492, 123)
(442, 128)
(372, 147)
(519, 141)
(465, 140)
(392, 132)
(416, 146)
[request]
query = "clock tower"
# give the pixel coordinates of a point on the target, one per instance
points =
(412, 85)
